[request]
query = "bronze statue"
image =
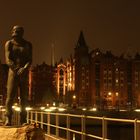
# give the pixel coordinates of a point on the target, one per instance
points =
(18, 56)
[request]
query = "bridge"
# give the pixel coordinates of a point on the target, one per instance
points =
(59, 126)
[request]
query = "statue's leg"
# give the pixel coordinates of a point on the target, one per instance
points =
(11, 93)
(24, 100)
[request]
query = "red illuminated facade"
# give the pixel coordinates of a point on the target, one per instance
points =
(41, 87)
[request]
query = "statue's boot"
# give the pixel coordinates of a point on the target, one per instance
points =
(8, 121)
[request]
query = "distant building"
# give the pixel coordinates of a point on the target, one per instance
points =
(41, 88)
(99, 79)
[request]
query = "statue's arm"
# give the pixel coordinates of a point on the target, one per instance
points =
(28, 64)
(9, 62)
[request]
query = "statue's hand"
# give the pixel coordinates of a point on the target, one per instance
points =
(20, 71)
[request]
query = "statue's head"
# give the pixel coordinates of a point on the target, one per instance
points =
(17, 31)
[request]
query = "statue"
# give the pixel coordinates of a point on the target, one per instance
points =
(18, 56)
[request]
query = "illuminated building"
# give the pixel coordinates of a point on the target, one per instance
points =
(41, 88)
(81, 57)
(61, 81)
(101, 79)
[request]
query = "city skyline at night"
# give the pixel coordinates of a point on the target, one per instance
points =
(107, 25)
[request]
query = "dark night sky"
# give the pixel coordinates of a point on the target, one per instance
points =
(107, 24)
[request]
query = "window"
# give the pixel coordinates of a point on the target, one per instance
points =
(116, 70)
(117, 81)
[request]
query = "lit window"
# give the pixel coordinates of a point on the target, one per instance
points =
(117, 80)
(117, 70)
(97, 53)
(117, 94)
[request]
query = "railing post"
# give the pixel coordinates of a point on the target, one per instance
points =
(57, 124)
(27, 117)
(83, 127)
(31, 117)
(136, 130)
(41, 120)
(104, 128)
(48, 122)
(36, 117)
(68, 127)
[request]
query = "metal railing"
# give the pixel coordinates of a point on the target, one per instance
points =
(48, 120)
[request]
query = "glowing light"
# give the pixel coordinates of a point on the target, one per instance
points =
(109, 93)
(13, 106)
(3, 109)
(28, 108)
(48, 110)
(53, 108)
(137, 110)
(93, 109)
(84, 109)
(17, 109)
(61, 109)
(70, 84)
(54, 104)
(74, 96)
(117, 94)
(123, 110)
(42, 108)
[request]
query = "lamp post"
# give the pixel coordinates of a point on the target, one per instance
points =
(109, 99)
(74, 101)
(117, 100)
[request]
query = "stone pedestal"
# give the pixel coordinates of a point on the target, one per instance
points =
(27, 132)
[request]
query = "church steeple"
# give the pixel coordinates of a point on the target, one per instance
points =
(81, 41)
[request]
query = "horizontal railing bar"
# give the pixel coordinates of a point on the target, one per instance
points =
(92, 117)
(93, 136)
(119, 120)
(50, 136)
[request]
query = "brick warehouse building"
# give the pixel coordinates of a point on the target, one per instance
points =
(42, 88)
(100, 79)
(87, 79)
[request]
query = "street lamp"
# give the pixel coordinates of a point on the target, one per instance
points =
(109, 93)
(74, 97)
(117, 100)
(74, 101)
